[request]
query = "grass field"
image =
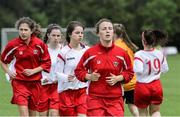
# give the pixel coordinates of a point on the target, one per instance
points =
(170, 81)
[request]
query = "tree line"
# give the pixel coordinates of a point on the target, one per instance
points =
(136, 15)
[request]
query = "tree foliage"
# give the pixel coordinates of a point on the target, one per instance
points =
(136, 15)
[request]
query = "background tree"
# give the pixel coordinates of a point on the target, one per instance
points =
(136, 15)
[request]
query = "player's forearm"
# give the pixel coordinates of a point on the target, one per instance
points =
(38, 69)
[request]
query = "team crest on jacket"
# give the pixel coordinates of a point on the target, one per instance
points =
(116, 64)
(35, 51)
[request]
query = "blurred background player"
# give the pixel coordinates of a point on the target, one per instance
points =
(49, 98)
(148, 66)
(72, 92)
(122, 40)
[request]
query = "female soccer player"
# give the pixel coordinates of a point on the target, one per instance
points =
(72, 92)
(106, 66)
(31, 57)
(49, 98)
(148, 66)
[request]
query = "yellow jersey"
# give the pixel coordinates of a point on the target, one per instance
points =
(131, 84)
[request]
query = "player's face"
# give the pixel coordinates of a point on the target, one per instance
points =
(77, 34)
(24, 31)
(106, 31)
(54, 37)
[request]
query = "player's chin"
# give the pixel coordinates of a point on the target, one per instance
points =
(80, 39)
(24, 38)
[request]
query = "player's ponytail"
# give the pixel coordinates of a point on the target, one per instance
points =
(161, 37)
(120, 31)
(37, 30)
(155, 37)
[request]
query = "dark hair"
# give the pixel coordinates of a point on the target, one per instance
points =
(70, 27)
(155, 37)
(49, 29)
(99, 22)
(35, 28)
(120, 31)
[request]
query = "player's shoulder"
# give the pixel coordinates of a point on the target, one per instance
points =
(119, 48)
(139, 53)
(120, 51)
(158, 53)
(92, 48)
(65, 49)
(14, 41)
(37, 40)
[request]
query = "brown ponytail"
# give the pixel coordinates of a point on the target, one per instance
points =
(155, 37)
(120, 31)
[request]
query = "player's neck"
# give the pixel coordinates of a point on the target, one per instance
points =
(27, 41)
(75, 46)
(148, 48)
(106, 43)
(53, 46)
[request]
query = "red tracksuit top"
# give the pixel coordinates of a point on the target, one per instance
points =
(29, 56)
(105, 60)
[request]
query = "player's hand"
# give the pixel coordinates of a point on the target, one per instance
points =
(11, 74)
(94, 76)
(71, 78)
(29, 72)
(113, 79)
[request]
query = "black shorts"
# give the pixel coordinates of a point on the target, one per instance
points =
(129, 97)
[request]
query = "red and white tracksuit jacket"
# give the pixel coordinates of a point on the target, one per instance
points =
(29, 56)
(105, 60)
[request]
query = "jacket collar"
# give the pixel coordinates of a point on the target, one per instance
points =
(106, 48)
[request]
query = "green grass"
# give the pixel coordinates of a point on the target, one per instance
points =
(171, 85)
(6, 108)
(170, 81)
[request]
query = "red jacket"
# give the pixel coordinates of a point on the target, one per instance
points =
(105, 60)
(27, 57)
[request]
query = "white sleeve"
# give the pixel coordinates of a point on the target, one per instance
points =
(164, 67)
(45, 75)
(138, 64)
(59, 70)
(7, 77)
(11, 68)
